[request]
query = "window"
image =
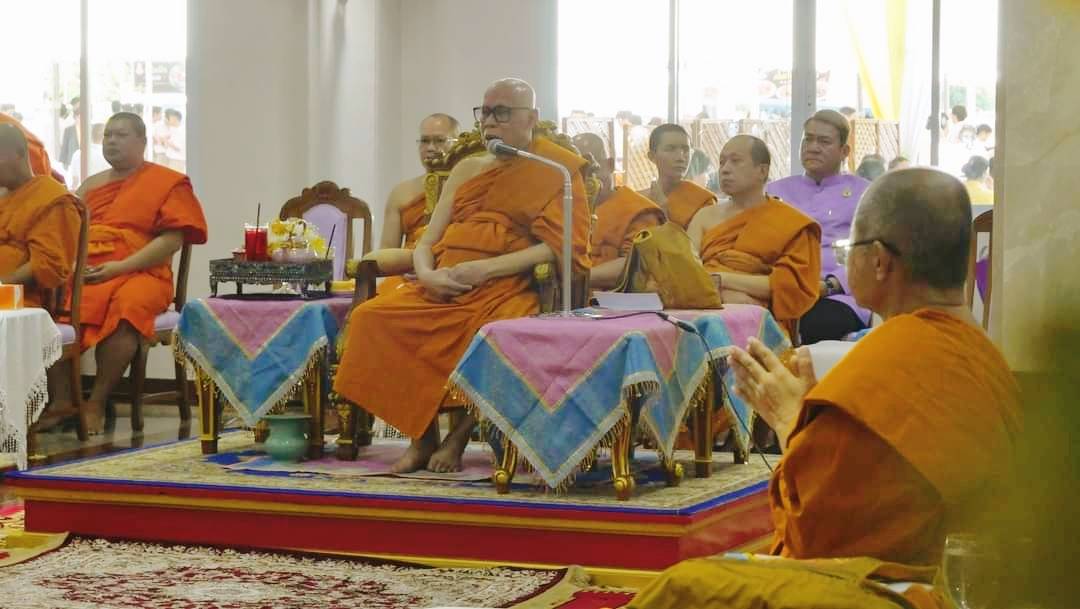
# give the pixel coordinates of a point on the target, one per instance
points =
(872, 58)
(874, 64)
(735, 76)
(619, 91)
(136, 56)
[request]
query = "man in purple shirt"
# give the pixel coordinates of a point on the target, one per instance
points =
(829, 197)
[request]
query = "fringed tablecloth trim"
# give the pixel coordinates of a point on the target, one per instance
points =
(187, 354)
(582, 459)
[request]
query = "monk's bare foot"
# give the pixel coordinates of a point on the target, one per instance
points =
(54, 414)
(417, 455)
(93, 416)
(448, 457)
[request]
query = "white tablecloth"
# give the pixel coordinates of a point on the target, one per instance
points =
(29, 344)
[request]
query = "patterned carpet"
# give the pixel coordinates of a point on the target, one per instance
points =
(96, 573)
(182, 463)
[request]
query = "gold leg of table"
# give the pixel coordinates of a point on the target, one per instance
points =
(504, 473)
(703, 439)
(346, 442)
(620, 464)
(313, 404)
(673, 470)
(208, 413)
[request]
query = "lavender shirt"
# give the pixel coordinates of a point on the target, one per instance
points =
(832, 204)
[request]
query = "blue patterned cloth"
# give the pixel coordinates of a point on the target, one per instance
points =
(257, 351)
(557, 387)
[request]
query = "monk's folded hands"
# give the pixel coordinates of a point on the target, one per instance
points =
(770, 388)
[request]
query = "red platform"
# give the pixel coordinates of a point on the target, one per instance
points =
(499, 528)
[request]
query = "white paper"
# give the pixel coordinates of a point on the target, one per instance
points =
(628, 301)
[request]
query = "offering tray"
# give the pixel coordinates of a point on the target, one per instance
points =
(300, 274)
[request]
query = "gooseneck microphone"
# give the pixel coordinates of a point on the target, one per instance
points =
(500, 148)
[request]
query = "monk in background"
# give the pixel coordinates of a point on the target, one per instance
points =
(911, 435)
(38, 157)
(141, 213)
(406, 214)
(759, 249)
(496, 219)
(620, 214)
(681, 199)
(39, 223)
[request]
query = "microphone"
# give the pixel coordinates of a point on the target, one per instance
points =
(500, 148)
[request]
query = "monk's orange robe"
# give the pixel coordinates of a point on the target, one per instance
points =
(686, 200)
(905, 440)
(401, 347)
(414, 219)
(39, 224)
(773, 239)
(125, 215)
(39, 158)
(618, 219)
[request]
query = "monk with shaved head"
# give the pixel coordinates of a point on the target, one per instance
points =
(36, 154)
(681, 199)
(141, 213)
(497, 218)
(620, 215)
(910, 436)
(39, 222)
(760, 249)
(407, 213)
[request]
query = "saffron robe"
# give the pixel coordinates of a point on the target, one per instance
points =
(776, 240)
(909, 437)
(906, 439)
(686, 200)
(125, 215)
(618, 219)
(414, 219)
(39, 224)
(39, 158)
(401, 347)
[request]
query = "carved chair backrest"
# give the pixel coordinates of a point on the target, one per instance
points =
(326, 205)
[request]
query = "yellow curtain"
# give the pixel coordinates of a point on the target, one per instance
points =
(878, 35)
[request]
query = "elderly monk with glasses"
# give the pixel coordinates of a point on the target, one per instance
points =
(406, 215)
(496, 219)
(908, 438)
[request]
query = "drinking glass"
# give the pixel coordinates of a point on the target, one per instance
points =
(972, 571)
(255, 238)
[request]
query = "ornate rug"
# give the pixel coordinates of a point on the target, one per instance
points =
(182, 463)
(95, 573)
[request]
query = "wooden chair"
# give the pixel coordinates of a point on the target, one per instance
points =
(68, 322)
(326, 206)
(982, 224)
(164, 324)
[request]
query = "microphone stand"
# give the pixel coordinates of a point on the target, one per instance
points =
(568, 217)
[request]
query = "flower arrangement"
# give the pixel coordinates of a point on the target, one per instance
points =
(295, 233)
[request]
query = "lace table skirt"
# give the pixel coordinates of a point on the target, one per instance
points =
(29, 344)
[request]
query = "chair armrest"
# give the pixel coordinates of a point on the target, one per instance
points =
(364, 272)
(549, 288)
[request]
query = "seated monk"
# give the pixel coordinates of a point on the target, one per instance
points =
(406, 213)
(910, 436)
(39, 158)
(496, 219)
(681, 199)
(761, 250)
(141, 214)
(39, 223)
(620, 214)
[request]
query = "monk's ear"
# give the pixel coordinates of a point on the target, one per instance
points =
(884, 264)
